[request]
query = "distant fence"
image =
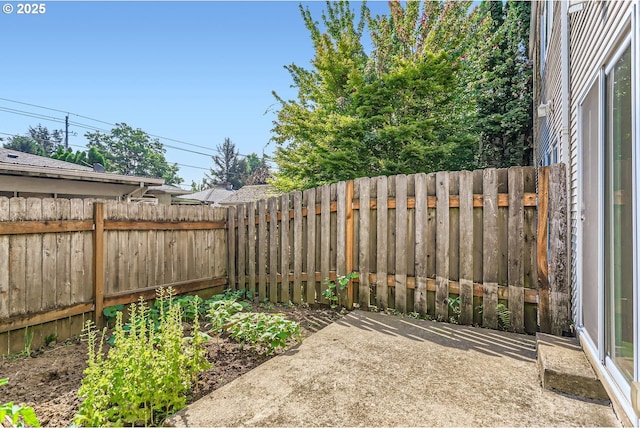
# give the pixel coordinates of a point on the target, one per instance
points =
(64, 260)
(415, 241)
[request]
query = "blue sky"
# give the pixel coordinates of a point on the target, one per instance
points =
(191, 71)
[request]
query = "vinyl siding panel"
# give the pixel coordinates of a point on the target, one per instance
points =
(593, 34)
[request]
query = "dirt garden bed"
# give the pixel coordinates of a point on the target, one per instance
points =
(49, 380)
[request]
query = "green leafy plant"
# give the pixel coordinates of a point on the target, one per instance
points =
(147, 373)
(17, 415)
(332, 292)
(454, 306)
(28, 339)
(271, 331)
(504, 316)
(110, 313)
(48, 340)
(263, 330)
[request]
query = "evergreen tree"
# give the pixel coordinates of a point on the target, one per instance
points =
(48, 140)
(504, 87)
(228, 168)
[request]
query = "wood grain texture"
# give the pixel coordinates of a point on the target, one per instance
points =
(298, 254)
(363, 247)
(251, 247)
(262, 249)
(4, 271)
(325, 240)
(466, 247)
(273, 250)
(558, 245)
(401, 242)
(515, 249)
(382, 290)
(490, 249)
(242, 247)
(442, 245)
(421, 211)
(310, 203)
(284, 250)
(544, 305)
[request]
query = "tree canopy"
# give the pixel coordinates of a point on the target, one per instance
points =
(131, 151)
(408, 105)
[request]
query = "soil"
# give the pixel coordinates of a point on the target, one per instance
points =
(49, 380)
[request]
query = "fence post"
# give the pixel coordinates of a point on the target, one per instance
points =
(543, 264)
(349, 240)
(231, 246)
(98, 262)
(560, 297)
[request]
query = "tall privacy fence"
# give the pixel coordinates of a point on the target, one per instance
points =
(415, 241)
(485, 237)
(63, 260)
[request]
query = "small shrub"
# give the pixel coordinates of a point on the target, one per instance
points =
(147, 373)
(331, 293)
(265, 330)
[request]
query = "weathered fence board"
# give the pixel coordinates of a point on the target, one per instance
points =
(442, 245)
(490, 248)
(401, 242)
(516, 254)
(363, 258)
(382, 290)
(466, 247)
(421, 239)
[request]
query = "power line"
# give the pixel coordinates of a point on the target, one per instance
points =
(95, 128)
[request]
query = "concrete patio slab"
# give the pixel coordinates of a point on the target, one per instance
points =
(371, 369)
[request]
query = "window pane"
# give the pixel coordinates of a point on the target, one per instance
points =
(619, 220)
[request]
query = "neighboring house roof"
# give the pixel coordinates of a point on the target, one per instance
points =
(167, 189)
(251, 194)
(32, 174)
(20, 158)
(210, 196)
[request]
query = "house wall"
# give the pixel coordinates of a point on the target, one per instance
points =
(547, 83)
(593, 32)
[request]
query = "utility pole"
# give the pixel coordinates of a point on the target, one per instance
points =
(66, 132)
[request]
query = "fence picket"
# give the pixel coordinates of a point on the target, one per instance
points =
(262, 249)
(363, 246)
(273, 250)
(325, 240)
(490, 248)
(466, 247)
(231, 244)
(420, 292)
(284, 249)
(401, 244)
(310, 203)
(341, 234)
(442, 245)
(251, 246)
(382, 290)
(515, 249)
(242, 247)
(297, 248)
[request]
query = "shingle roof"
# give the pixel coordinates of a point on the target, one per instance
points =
(212, 196)
(168, 189)
(251, 194)
(20, 158)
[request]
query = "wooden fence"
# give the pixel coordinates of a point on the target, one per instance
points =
(64, 260)
(415, 241)
(484, 236)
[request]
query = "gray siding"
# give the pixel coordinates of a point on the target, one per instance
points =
(593, 33)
